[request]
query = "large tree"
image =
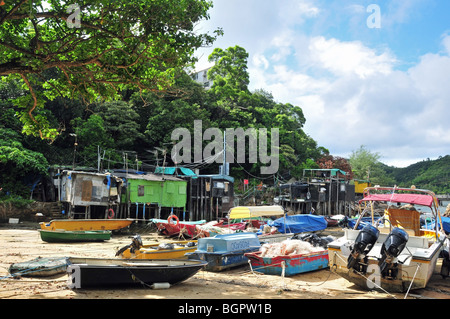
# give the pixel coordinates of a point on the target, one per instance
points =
(94, 48)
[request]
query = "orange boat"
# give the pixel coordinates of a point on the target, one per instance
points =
(86, 224)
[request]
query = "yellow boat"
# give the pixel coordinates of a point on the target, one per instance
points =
(166, 250)
(86, 224)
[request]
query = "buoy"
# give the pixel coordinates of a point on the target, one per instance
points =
(160, 285)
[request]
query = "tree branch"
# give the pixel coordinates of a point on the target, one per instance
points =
(30, 87)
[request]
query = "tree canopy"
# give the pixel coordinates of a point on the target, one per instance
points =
(86, 49)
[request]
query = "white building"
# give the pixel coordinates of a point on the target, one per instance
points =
(201, 76)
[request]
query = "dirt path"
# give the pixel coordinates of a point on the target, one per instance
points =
(23, 243)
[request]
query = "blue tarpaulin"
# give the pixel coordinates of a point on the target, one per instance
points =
(446, 224)
(299, 223)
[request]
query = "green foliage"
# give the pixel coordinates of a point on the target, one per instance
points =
(17, 163)
(429, 174)
(110, 47)
(363, 162)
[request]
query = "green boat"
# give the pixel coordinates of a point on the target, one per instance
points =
(66, 236)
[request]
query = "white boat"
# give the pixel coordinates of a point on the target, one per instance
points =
(392, 253)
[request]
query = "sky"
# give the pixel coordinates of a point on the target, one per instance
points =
(372, 73)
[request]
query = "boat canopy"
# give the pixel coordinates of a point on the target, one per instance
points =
(415, 199)
(255, 211)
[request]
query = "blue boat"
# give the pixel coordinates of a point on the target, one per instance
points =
(289, 265)
(225, 251)
(299, 223)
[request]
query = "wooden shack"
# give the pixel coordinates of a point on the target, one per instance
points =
(146, 196)
(88, 194)
(322, 191)
(209, 197)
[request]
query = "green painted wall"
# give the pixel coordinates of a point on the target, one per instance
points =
(167, 193)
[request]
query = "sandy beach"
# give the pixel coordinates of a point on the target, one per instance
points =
(21, 243)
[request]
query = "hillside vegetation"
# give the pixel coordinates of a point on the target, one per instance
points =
(428, 174)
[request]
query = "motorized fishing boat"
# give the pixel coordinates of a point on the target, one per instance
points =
(68, 236)
(86, 224)
(393, 253)
(225, 251)
(39, 267)
(99, 272)
(166, 250)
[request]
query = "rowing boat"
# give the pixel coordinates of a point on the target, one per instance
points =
(166, 250)
(104, 272)
(67, 236)
(86, 224)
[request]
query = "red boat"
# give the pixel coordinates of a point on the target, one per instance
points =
(174, 227)
(331, 222)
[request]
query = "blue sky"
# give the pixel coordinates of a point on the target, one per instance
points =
(387, 88)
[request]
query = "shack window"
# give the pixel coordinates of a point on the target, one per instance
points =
(182, 190)
(170, 188)
(141, 191)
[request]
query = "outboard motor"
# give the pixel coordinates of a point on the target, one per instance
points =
(391, 249)
(367, 237)
(136, 243)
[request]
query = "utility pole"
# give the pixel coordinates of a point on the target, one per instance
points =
(74, 149)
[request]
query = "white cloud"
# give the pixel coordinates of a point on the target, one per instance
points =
(446, 43)
(343, 58)
(365, 101)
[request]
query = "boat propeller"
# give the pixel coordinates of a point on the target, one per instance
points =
(367, 237)
(391, 249)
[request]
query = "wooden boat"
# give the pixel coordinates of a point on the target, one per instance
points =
(86, 224)
(394, 254)
(98, 272)
(172, 226)
(288, 265)
(249, 212)
(225, 251)
(213, 228)
(67, 236)
(166, 250)
(39, 267)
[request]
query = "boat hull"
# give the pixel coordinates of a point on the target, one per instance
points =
(62, 236)
(222, 261)
(291, 265)
(94, 273)
(225, 251)
(187, 229)
(86, 224)
(39, 267)
(152, 252)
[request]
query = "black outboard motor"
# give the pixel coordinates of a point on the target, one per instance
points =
(367, 237)
(136, 243)
(392, 248)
